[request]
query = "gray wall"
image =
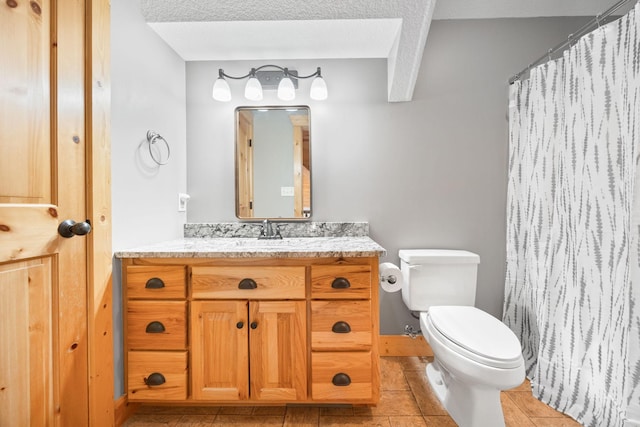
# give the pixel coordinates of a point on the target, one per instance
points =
(148, 92)
(430, 173)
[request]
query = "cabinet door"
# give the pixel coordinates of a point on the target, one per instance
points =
(219, 347)
(278, 350)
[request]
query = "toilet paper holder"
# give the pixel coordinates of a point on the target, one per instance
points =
(390, 276)
(390, 279)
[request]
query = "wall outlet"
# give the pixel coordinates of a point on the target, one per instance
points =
(286, 191)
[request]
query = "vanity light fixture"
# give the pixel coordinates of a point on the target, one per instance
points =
(284, 79)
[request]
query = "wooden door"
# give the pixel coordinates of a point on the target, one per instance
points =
(54, 292)
(278, 350)
(301, 166)
(244, 165)
(219, 350)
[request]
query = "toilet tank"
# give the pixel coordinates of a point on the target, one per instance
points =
(438, 277)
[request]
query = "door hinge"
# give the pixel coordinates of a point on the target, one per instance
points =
(250, 142)
(251, 204)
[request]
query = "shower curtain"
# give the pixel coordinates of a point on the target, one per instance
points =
(572, 291)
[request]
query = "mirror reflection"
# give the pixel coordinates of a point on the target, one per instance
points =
(273, 163)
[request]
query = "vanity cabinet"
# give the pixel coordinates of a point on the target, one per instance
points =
(254, 330)
(342, 324)
(156, 331)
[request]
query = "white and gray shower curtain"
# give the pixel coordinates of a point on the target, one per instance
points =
(572, 292)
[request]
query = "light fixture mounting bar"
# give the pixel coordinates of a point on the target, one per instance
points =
(271, 79)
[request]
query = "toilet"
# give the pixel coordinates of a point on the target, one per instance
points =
(475, 355)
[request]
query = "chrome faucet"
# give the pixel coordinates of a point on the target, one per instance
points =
(269, 231)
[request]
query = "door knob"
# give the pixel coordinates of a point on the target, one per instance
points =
(69, 228)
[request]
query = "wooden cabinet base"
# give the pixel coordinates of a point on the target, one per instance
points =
(255, 331)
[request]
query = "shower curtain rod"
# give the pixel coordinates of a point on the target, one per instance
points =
(571, 38)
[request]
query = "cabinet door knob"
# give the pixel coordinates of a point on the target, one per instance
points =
(155, 379)
(341, 327)
(254, 325)
(341, 380)
(247, 284)
(154, 283)
(155, 327)
(340, 283)
(240, 325)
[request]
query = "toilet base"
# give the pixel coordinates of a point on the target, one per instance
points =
(468, 405)
(436, 380)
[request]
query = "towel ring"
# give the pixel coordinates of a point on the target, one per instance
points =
(154, 137)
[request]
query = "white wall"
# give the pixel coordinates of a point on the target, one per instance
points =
(430, 173)
(148, 92)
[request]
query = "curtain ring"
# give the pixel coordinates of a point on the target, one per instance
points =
(152, 138)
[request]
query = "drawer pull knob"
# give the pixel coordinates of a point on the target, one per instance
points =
(240, 325)
(154, 283)
(340, 283)
(155, 327)
(341, 328)
(341, 380)
(254, 325)
(247, 284)
(155, 379)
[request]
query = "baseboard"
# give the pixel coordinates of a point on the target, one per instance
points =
(123, 410)
(402, 345)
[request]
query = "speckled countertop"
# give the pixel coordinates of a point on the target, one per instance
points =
(292, 247)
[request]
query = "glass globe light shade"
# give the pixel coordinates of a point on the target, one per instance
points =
(253, 90)
(318, 89)
(221, 90)
(286, 90)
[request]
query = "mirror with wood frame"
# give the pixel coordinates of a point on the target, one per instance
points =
(273, 163)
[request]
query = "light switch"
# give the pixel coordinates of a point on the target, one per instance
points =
(286, 191)
(182, 202)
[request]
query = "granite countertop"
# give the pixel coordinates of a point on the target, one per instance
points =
(289, 247)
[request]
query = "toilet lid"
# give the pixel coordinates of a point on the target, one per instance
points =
(485, 339)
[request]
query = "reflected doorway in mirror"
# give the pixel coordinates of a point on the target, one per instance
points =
(273, 163)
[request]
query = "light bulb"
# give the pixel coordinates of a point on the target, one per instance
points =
(253, 90)
(286, 91)
(221, 90)
(318, 89)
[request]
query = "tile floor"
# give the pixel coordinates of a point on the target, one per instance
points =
(406, 401)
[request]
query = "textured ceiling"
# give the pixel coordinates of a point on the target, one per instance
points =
(483, 9)
(328, 27)
(393, 29)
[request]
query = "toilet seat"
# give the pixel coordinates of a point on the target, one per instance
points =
(476, 335)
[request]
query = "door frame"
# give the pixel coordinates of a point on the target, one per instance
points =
(99, 250)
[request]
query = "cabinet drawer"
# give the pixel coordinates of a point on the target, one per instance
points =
(166, 368)
(341, 376)
(157, 325)
(341, 281)
(341, 325)
(156, 282)
(239, 282)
